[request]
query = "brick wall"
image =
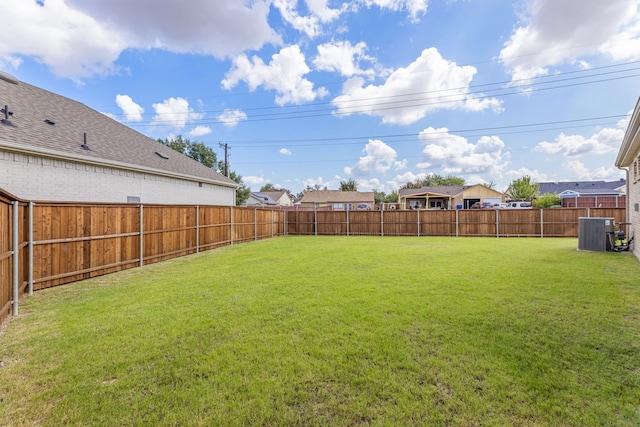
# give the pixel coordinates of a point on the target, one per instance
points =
(36, 178)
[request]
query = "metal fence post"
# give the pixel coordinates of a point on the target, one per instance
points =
(315, 220)
(418, 220)
(30, 261)
(16, 258)
(541, 223)
(457, 221)
(255, 223)
(497, 224)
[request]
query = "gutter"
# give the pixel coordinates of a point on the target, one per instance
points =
(59, 155)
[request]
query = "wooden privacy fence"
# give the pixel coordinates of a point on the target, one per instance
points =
(57, 243)
(488, 223)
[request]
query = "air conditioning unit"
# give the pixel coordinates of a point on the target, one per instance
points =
(594, 234)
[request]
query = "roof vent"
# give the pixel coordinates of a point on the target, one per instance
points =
(8, 78)
(162, 155)
(5, 120)
(84, 144)
(49, 122)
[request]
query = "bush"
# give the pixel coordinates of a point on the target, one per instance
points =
(547, 200)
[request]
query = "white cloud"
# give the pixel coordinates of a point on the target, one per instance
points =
(132, 111)
(320, 13)
(231, 118)
(174, 113)
(253, 180)
(428, 84)
(285, 152)
(200, 131)
(284, 74)
(557, 32)
(378, 159)
(580, 171)
(414, 7)
(453, 154)
(344, 58)
(607, 140)
(83, 38)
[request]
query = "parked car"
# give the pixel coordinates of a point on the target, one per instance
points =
(362, 207)
(518, 205)
(482, 205)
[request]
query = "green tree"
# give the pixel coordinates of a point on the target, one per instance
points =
(547, 200)
(349, 185)
(523, 189)
(268, 187)
(381, 197)
(434, 180)
(204, 154)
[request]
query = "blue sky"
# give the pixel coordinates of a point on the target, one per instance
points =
(380, 91)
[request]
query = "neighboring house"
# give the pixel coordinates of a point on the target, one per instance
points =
(447, 197)
(587, 194)
(281, 197)
(259, 199)
(55, 149)
(338, 200)
(629, 160)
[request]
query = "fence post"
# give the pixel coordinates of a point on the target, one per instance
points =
(15, 259)
(231, 226)
(286, 223)
(497, 224)
(255, 223)
(347, 211)
(418, 220)
(315, 220)
(272, 223)
(197, 228)
(541, 223)
(457, 222)
(30, 261)
(141, 235)
(382, 223)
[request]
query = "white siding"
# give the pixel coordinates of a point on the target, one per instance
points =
(35, 178)
(633, 204)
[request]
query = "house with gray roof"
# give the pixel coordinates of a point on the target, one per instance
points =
(56, 149)
(338, 200)
(587, 194)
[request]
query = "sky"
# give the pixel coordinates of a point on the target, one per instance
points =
(384, 92)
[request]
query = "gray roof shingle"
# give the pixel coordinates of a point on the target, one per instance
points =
(110, 142)
(581, 187)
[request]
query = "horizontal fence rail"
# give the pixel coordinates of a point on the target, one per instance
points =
(59, 243)
(49, 244)
(459, 223)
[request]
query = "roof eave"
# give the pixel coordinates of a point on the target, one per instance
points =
(58, 155)
(631, 142)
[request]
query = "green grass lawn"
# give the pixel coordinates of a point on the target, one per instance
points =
(336, 331)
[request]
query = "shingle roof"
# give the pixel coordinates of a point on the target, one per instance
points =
(264, 198)
(274, 195)
(581, 187)
(448, 190)
(110, 142)
(337, 196)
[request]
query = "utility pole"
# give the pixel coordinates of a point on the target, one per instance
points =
(226, 158)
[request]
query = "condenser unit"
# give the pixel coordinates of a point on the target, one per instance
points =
(594, 234)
